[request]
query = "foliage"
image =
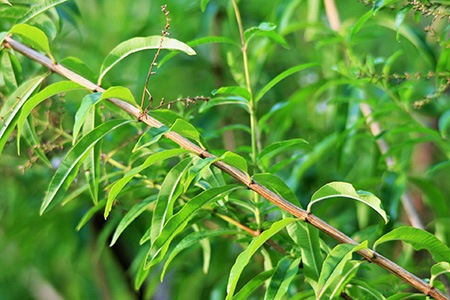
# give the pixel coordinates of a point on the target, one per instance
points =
(308, 101)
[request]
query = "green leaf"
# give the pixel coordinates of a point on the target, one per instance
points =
(334, 266)
(201, 41)
(276, 185)
(170, 190)
(235, 160)
(186, 129)
(233, 90)
(225, 100)
(285, 271)
(339, 282)
(37, 9)
(203, 5)
(150, 137)
(439, 269)
(131, 215)
(360, 23)
(68, 168)
(265, 29)
(244, 258)
(9, 71)
(90, 213)
(6, 2)
(282, 76)
(190, 240)
(179, 221)
(121, 93)
(444, 125)
(346, 190)
(278, 147)
(91, 164)
(119, 184)
(139, 44)
(366, 289)
(78, 66)
(80, 117)
(400, 17)
(32, 140)
(245, 292)
(33, 36)
(49, 91)
(307, 237)
(11, 107)
(419, 239)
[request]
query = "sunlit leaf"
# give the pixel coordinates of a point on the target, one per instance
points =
(179, 221)
(68, 168)
(244, 258)
(119, 184)
(131, 215)
(225, 100)
(86, 105)
(235, 160)
(419, 239)
(33, 36)
(119, 92)
(439, 269)
(203, 5)
(277, 185)
(78, 66)
(346, 190)
(366, 289)
(51, 90)
(360, 23)
(282, 76)
(90, 213)
(139, 44)
(186, 129)
(233, 90)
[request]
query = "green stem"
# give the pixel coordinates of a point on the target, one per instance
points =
(256, 145)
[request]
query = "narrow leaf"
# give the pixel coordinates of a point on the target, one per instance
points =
(134, 212)
(225, 100)
(307, 237)
(32, 140)
(245, 292)
(285, 271)
(168, 193)
(68, 168)
(12, 105)
(121, 93)
(360, 23)
(444, 125)
(90, 213)
(278, 147)
(138, 44)
(244, 258)
(419, 239)
(190, 240)
(282, 76)
(179, 221)
(119, 184)
(86, 104)
(334, 265)
(233, 90)
(37, 9)
(203, 5)
(49, 91)
(346, 190)
(150, 137)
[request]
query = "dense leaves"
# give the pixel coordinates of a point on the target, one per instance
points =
(318, 105)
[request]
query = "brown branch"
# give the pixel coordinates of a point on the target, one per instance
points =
(303, 215)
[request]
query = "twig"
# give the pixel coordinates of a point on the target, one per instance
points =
(240, 176)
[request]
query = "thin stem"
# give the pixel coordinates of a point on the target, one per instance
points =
(256, 147)
(237, 174)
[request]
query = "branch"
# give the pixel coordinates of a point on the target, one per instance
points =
(240, 176)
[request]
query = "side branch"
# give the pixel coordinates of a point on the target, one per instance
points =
(240, 176)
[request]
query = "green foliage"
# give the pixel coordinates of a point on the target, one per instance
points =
(317, 106)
